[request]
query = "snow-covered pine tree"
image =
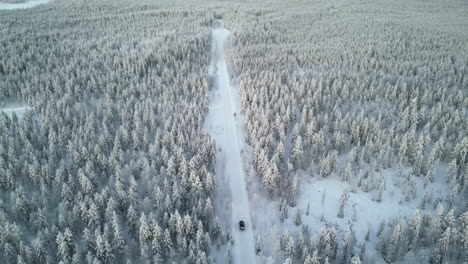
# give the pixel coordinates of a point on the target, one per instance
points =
(355, 260)
(414, 227)
(314, 259)
(442, 247)
(118, 240)
(394, 243)
(348, 246)
(298, 218)
(229, 259)
(463, 234)
(298, 152)
(344, 197)
(65, 245)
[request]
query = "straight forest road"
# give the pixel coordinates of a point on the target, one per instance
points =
(224, 127)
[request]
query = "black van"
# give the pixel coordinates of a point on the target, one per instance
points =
(241, 225)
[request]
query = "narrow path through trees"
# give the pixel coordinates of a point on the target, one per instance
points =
(222, 124)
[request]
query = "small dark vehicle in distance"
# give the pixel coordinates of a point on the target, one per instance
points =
(241, 225)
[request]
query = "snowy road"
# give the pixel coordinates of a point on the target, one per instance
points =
(18, 110)
(26, 4)
(226, 130)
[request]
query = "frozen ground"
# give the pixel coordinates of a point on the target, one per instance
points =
(223, 124)
(25, 4)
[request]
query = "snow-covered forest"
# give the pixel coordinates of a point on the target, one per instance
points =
(143, 132)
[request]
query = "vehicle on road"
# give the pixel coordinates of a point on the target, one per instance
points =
(241, 225)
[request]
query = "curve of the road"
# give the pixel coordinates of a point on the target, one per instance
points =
(224, 127)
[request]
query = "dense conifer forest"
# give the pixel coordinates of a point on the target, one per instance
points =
(353, 113)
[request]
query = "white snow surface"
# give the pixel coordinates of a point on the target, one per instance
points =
(26, 4)
(324, 208)
(17, 109)
(226, 129)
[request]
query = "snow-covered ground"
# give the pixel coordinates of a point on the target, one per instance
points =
(18, 109)
(223, 124)
(322, 196)
(26, 4)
